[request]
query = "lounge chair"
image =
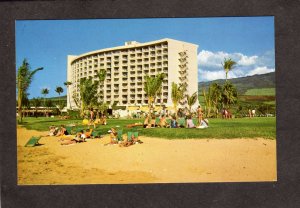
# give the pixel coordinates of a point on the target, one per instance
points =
(33, 141)
(69, 129)
(120, 136)
(129, 135)
(96, 133)
(157, 121)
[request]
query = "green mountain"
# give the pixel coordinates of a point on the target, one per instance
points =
(246, 83)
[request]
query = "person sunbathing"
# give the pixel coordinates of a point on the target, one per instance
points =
(80, 137)
(190, 123)
(153, 122)
(203, 124)
(174, 123)
(63, 131)
(88, 133)
(104, 121)
(146, 122)
(113, 136)
(162, 122)
(52, 131)
(133, 140)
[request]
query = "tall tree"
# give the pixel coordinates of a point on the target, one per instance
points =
(45, 92)
(67, 84)
(228, 65)
(216, 97)
(208, 100)
(229, 95)
(88, 93)
(191, 100)
(59, 90)
(152, 88)
(101, 74)
(177, 95)
(24, 79)
(60, 103)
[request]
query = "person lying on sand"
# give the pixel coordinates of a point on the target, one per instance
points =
(80, 137)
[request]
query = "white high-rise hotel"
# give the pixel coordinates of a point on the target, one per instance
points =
(126, 67)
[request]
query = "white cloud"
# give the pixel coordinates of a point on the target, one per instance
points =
(210, 64)
(212, 75)
(245, 60)
(260, 70)
(210, 59)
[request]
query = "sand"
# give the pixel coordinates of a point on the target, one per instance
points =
(155, 161)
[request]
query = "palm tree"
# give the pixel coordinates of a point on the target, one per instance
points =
(101, 74)
(24, 79)
(67, 84)
(191, 100)
(88, 93)
(216, 96)
(60, 103)
(228, 65)
(59, 90)
(45, 92)
(177, 95)
(229, 95)
(152, 87)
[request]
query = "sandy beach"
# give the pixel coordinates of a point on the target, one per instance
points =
(154, 161)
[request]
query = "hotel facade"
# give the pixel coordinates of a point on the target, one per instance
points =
(126, 67)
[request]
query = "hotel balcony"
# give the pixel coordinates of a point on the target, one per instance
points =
(182, 59)
(183, 78)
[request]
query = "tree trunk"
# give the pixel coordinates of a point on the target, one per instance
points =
(20, 104)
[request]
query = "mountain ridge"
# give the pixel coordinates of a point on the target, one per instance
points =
(245, 83)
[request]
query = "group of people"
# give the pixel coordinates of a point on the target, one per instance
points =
(93, 120)
(251, 113)
(128, 142)
(66, 137)
(168, 121)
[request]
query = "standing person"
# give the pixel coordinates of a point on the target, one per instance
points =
(250, 113)
(92, 117)
(253, 113)
(200, 114)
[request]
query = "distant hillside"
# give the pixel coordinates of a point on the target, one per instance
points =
(245, 83)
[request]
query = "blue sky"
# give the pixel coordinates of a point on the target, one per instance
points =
(46, 43)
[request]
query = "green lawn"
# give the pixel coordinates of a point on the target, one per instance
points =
(264, 127)
(261, 91)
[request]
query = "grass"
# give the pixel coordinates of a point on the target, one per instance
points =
(261, 91)
(264, 127)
